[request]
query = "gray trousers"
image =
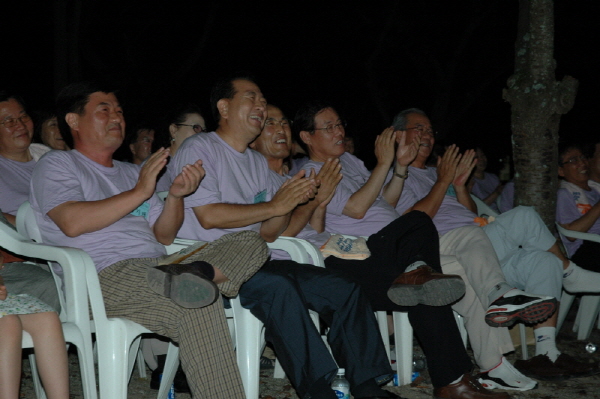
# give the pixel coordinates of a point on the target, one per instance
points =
(32, 279)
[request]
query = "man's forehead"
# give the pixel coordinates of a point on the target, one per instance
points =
(275, 113)
(327, 115)
(417, 119)
(243, 86)
(102, 98)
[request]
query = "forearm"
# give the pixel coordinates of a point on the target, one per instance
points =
(585, 222)
(300, 218)
(75, 218)
(359, 203)
(463, 196)
(227, 216)
(169, 222)
(490, 199)
(392, 190)
(430, 204)
(10, 218)
(272, 228)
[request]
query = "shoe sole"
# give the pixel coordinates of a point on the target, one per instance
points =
(532, 314)
(187, 290)
(433, 293)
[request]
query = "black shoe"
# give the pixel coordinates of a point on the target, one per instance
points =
(517, 305)
(185, 285)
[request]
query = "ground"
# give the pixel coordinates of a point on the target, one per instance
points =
(271, 388)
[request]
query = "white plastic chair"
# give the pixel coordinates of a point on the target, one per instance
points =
(117, 339)
(74, 314)
(589, 306)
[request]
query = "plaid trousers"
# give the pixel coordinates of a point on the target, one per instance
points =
(206, 350)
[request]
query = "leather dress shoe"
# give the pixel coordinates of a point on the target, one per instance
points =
(576, 368)
(467, 388)
(426, 286)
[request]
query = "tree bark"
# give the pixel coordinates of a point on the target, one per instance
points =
(537, 102)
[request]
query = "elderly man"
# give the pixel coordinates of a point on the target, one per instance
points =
(83, 198)
(529, 254)
(238, 194)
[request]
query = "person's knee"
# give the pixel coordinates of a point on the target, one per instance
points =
(545, 277)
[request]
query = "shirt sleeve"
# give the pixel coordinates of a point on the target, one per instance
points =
(566, 208)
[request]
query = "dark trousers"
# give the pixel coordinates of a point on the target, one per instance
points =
(588, 256)
(281, 293)
(408, 239)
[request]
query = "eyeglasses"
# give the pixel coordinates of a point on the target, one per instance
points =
(197, 128)
(422, 130)
(331, 128)
(574, 160)
(11, 122)
(272, 122)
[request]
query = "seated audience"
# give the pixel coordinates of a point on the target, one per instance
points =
(485, 186)
(237, 194)
(578, 206)
(20, 313)
(47, 132)
(528, 252)
(84, 199)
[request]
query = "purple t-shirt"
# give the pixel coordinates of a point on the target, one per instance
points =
(482, 188)
(14, 180)
(379, 215)
(231, 177)
(62, 176)
(452, 214)
(566, 212)
(507, 197)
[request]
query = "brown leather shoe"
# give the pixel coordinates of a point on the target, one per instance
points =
(542, 368)
(576, 368)
(426, 286)
(467, 388)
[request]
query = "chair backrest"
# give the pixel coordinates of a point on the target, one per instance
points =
(26, 223)
(564, 233)
(483, 208)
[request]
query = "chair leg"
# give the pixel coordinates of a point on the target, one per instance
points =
(523, 333)
(37, 385)
(403, 334)
(169, 371)
(588, 307)
(566, 300)
(249, 342)
(460, 323)
(141, 364)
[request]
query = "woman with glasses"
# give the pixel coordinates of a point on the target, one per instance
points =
(184, 122)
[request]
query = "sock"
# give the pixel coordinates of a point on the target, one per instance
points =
(414, 266)
(206, 268)
(576, 279)
(545, 342)
(498, 291)
(456, 381)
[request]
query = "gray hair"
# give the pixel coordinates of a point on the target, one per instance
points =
(399, 122)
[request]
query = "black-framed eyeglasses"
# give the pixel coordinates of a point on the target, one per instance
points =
(574, 160)
(331, 128)
(422, 130)
(11, 122)
(197, 128)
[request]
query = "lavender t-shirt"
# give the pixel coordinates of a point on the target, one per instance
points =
(482, 188)
(452, 214)
(14, 182)
(507, 197)
(231, 177)
(62, 176)
(379, 215)
(566, 212)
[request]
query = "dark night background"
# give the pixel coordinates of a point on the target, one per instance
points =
(371, 59)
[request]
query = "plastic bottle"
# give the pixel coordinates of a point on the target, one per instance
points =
(340, 385)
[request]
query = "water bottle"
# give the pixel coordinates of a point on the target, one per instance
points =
(171, 392)
(341, 386)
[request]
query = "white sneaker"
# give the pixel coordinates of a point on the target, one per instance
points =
(517, 305)
(505, 376)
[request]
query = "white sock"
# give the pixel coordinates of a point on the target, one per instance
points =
(545, 342)
(414, 266)
(457, 380)
(576, 279)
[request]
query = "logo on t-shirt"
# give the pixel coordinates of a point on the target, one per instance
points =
(142, 210)
(451, 191)
(260, 197)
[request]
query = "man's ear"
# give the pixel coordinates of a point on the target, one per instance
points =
(306, 137)
(132, 149)
(72, 120)
(172, 130)
(252, 145)
(223, 107)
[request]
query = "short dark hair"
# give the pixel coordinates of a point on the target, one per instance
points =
(5, 96)
(223, 88)
(74, 98)
(39, 117)
(400, 119)
(305, 118)
(567, 146)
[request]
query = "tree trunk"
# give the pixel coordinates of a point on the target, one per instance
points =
(537, 101)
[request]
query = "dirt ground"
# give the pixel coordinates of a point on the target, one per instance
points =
(271, 388)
